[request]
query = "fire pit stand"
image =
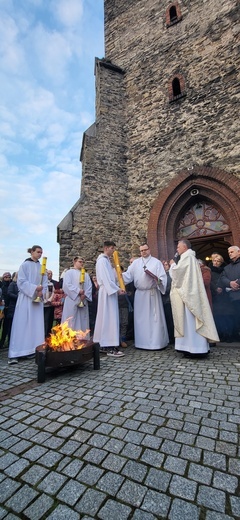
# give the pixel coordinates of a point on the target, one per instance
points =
(48, 358)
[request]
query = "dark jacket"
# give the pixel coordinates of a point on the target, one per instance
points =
(12, 298)
(230, 273)
(166, 296)
(4, 287)
(5, 297)
(215, 279)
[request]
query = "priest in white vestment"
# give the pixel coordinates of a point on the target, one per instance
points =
(106, 330)
(77, 286)
(150, 329)
(28, 321)
(194, 325)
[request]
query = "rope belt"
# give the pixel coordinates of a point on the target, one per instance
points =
(148, 289)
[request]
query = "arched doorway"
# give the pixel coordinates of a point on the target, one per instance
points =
(209, 187)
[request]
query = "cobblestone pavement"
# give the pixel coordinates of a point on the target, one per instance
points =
(149, 436)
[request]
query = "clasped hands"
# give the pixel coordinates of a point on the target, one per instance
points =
(82, 294)
(234, 285)
(39, 290)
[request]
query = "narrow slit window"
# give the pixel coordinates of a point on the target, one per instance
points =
(173, 14)
(176, 87)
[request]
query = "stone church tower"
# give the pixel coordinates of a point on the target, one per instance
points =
(161, 160)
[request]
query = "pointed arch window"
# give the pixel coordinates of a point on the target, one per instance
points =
(173, 14)
(176, 88)
(200, 220)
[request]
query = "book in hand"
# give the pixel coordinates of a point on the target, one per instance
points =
(152, 275)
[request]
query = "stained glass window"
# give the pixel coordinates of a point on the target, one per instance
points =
(200, 220)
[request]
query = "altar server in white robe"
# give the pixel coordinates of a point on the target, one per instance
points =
(77, 286)
(106, 331)
(150, 329)
(193, 321)
(28, 321)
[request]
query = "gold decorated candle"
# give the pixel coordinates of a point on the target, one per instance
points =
(82, 275)
(44, 265)
(118, 270)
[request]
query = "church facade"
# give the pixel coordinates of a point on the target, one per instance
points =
(161, 160)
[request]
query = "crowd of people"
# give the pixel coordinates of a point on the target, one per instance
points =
(181, 300)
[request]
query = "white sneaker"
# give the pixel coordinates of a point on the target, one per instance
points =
(115, 353)
(13, 361)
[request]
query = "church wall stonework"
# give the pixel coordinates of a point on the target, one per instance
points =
(101, 212)
(142, 138)
(199, 129)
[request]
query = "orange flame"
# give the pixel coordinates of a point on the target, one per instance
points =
(63, 337)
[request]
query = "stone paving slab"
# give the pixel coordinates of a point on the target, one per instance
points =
(149, 436)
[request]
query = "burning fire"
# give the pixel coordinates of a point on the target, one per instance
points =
(64, 338)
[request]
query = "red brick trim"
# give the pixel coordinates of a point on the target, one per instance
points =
(170, 20)
(216, 186)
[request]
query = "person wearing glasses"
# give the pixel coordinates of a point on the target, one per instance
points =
(78, 293)
(150, 280)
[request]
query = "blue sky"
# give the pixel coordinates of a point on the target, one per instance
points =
(47, 101)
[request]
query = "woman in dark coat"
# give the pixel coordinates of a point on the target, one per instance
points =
(12, 299)
(6, 279)
(207, 276)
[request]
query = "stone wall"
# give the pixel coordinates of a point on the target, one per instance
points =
(163, 137)
(101, 212)
(141, 140)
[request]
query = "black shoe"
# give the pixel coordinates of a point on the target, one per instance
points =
(196, 356)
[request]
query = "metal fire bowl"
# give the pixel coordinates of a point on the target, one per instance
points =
(47, 358)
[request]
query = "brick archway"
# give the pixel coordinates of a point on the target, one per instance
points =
(216, 186)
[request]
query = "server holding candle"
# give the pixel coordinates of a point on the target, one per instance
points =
(28, 323)
(106, 331)
(77, 286)
(82, 280)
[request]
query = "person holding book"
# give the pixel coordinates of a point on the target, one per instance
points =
(149, 277)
